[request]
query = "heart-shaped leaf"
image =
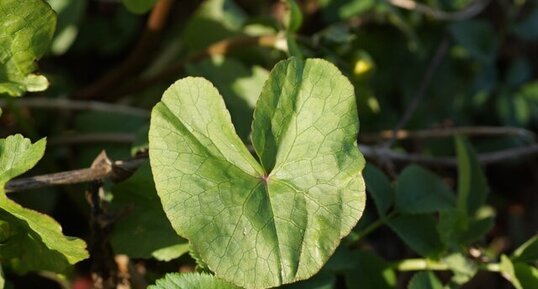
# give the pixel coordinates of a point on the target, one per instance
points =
(262, 225)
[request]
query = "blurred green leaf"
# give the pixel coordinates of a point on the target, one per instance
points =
(462, 268)
(213, 21)
(508, 271)
(472, 184)
(139, 6)
(36, 241)
(529, 91)
(26, 30)
(293, 47)
(457, 229)
(527, 275)
(528, 27)
(420, 233)
(70, 13)
(370, 272)
(379, 188)
(144, 231)
(191, 281)
(519, 72)
(477, 37)
(527, 252)
(420, 191)
(294, 17)
(334, 10)
(107, 34)
(424, 280)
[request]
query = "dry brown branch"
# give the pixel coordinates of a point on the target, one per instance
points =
(382, 153)
(91, 138)
(121, 170)
(69, 104)
(470, 11)
(472, 131)
(103, 168)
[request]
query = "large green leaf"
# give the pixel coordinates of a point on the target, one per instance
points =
(421, 191)
(35, 240)
(191, 281)
(145, 231)
(26, 30)
(263, 225)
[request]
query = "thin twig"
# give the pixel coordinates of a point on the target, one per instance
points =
(92, 138)
(137, 59)
(383, 153)
(473, 131)
(424, 84)
(121, 170)
(69, 104)
(470, 11)
(222, 47)
(107, 169)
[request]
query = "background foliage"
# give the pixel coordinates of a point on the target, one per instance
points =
(451, 76)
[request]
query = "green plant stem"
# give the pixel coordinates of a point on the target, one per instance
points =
(426, 264)
(373, 226)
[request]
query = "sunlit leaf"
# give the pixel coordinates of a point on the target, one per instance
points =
(262, 225)
(26, 30)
